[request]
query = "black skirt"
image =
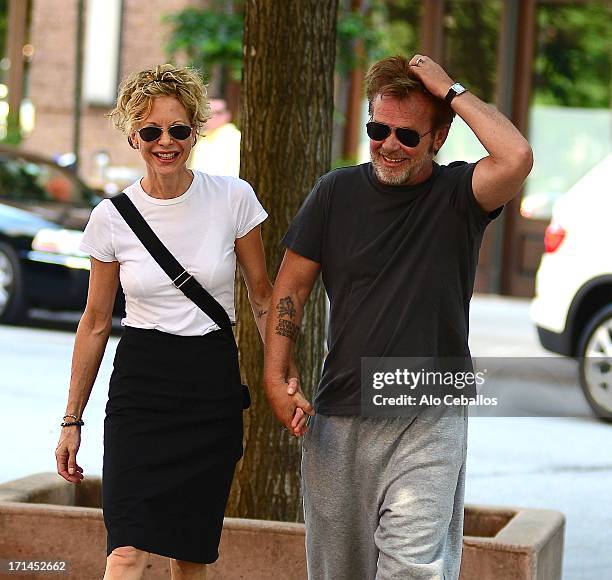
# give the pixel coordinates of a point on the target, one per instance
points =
(172, 438)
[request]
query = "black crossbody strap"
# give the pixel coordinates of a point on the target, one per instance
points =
(182, 279)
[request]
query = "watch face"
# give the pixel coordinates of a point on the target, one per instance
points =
(455, 90)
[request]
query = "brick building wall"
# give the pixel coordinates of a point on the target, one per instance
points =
(52, 77)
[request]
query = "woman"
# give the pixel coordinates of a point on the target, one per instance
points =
(173, 426)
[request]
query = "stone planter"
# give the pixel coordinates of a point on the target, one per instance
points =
(42, 517)
(512, 544)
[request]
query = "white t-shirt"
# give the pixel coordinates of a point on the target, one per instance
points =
(199, 228)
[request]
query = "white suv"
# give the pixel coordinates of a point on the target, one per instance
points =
(573, 305)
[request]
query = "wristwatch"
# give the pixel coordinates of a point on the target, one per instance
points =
(454, 91)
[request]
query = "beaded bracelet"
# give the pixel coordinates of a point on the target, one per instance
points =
(73, 416)
(78, 423)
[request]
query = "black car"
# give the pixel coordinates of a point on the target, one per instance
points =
(43, 211)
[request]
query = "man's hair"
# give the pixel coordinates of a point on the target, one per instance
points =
(137, 91)
(393, 76)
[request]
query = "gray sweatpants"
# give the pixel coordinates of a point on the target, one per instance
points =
(383, 498)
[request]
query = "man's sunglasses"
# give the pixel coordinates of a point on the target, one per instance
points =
(179, 132)
(407, 137)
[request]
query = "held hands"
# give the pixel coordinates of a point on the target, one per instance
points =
(65, 455)
(302, 410)
(431, 74)
(289, 404)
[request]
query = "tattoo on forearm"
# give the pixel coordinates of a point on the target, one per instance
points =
(286, 307)
(288, 329)
(261, 313)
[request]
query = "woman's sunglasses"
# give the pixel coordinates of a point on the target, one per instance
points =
(179, 132)
(407, 137)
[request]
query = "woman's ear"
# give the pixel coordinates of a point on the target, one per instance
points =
(131, 142)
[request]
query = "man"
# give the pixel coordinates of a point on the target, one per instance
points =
(397, 243)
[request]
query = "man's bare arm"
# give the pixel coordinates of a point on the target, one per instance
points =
(292, 288)
(499, 176)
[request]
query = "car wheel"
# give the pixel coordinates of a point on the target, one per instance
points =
(12, 300)
(596, 363)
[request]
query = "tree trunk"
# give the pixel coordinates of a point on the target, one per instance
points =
(287, 106)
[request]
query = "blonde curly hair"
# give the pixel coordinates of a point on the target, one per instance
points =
(137, 91)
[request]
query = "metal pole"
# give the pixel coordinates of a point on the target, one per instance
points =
(505, 89)
(78, 84)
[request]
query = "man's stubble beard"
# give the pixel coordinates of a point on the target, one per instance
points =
(389, 177)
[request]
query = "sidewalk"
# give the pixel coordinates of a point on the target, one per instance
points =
(500, 326)
(504, 340)
(560, 463)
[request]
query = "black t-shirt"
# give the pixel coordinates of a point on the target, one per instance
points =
(398, 264)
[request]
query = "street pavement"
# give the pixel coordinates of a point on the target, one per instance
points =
(563, 462)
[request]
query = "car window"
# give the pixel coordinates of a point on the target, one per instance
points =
(22, 179)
